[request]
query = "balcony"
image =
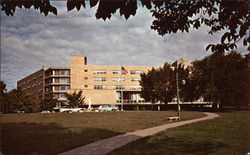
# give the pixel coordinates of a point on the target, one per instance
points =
(62, 99)
(130, 101)
(51, 76)
(56, 84)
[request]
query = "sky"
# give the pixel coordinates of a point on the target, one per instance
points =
(29, 40)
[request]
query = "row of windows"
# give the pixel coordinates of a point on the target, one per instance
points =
(36, 91)
(61, 72)
(114, 71)
(115, 87)
(62, 80)
(61, 88)
(33, 85)
(100, 79)
(30, 80)
(113, 79)
(60, 96)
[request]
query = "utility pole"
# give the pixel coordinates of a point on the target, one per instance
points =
(121, 90)
(122, 99)
(178, 96)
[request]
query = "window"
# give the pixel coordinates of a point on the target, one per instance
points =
(135, 79)
(57, 72)
(62, 95)
(56, 95)
(118, 79)
(100, 79)
(47, 89)
(100, 87)
(57, 80)
(67, 72)
(100, 72)
(62, 72)
(61, 88)
(85, 70)
(118, 87)
(56, 88)
(85, 86)
(64, 80)
(135, 87)
(85, 78)
(64, 87)
(117, 72)
(135, 72)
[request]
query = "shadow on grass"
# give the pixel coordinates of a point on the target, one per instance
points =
(33, 138)
(184, 146)
(169, 145)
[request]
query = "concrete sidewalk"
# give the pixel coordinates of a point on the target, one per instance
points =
(107, 145)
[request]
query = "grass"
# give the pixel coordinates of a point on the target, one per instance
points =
(228, 134)
(53, 133)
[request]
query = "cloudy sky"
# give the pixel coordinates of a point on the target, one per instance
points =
(29, 40)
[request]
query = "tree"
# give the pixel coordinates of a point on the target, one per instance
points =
(232, 18)
(160, 84)
(245, 84)
(75, 99)
(2, 88)
(3, 91)
(49, 102)
(190, 90)
(16, 99)
(223, 78)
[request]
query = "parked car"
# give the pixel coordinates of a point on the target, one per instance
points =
(106, 108)
(45, 111)
(19, 111)
(70, 110)
(116, 108)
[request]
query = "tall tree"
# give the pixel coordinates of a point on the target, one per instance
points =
(75, 99)
(190, 89)
(160, 84)
(49, 102)
(16, 99)
(245, 84)
(3, 91)
(232, 17)
(223, 78)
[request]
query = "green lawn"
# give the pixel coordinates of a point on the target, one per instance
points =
(226, 135)
(58, 132)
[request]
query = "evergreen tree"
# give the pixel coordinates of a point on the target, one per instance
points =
(75, 99)
(49, 102)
